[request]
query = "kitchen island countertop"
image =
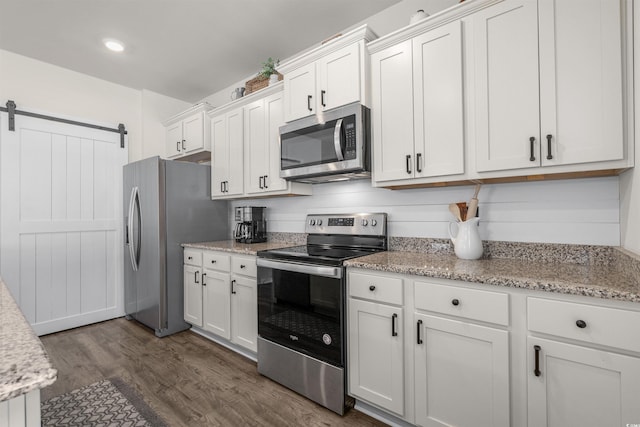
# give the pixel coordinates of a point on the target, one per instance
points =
(238, 248)
(24, 363)
(601, 281)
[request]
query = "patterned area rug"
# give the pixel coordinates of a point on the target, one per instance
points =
(108, 403)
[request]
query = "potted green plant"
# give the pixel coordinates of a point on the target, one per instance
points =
(269, 71)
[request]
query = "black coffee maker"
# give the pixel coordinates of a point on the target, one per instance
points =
(251, 225)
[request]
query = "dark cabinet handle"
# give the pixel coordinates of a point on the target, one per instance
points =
(409, 164)
(265, 181)
(372, 288)
(455, 302)
(309, 102)
(190, 258)
(213, 261)
(178, 146)
(232, 283)
(222, 186)
(260, 182)
(419, 327)
(532, 142)
(418, 162)
(394, 333)
(536, 369)
(183, 145)
(581, 324)
(322, 92)
(242, 266)
(203, 277)
(195, 277)
(549, 156)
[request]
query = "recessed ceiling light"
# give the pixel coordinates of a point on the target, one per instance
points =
(114, 45)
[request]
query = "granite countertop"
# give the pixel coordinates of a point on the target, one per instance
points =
(238, 248)
(595, 280)
(24, 364)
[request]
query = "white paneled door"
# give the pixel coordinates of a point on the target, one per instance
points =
(60, 222)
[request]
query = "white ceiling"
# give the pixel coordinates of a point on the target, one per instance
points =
(186, 49)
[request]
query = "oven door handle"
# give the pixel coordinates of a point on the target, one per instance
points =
(314, 270)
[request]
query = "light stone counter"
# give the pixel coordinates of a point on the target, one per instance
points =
(238, 248)
(610, 280)
(24, 364)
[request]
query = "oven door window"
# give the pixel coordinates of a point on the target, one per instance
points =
(302, 312)
(315, 145)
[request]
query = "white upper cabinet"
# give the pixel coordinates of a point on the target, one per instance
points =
(417, 106)
(549, 84)
(227, 156)
(188, 133)
(328, 76)
(263, 119)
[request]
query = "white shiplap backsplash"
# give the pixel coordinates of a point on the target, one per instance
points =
(579, 211)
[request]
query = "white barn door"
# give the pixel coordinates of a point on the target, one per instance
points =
(60, 222)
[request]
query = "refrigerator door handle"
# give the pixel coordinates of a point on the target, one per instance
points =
(134, 243)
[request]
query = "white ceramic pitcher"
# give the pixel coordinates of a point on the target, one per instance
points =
(467, 243)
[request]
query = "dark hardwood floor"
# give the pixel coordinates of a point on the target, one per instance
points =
(187, 379)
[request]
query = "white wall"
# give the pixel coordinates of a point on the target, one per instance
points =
(630, 180)
(156, 108)
(584, 211)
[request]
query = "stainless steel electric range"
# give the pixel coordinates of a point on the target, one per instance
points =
(302, 305)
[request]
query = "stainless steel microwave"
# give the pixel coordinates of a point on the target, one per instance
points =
(331, 146)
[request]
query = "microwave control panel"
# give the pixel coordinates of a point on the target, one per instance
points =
(350, 138)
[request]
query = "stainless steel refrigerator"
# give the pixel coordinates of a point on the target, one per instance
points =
(166, 203)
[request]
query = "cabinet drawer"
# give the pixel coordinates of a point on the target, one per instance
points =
(216, 261)
(244, 265)
(590, 323)
(193, 257)
(485, 306)
(376, 288)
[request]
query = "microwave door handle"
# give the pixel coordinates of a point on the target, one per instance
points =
(336, 140)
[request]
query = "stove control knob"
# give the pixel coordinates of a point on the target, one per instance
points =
(374, 222)
(365, 222)
(312, 222)
(319, 222)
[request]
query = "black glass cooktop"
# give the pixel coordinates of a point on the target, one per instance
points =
(316, 254)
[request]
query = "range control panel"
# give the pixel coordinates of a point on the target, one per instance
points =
(371, 224)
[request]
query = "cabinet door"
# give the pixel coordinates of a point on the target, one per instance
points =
(193, 134)
(274, 110)
(392, 113)
(462, 374)
(376, 356)
(256, 140)
(174, 140)
(217, 292)
(192, 295)
(581, 80)
(579, 386)
(300, 92)
(235, 141)
(438, 102)
(244, 312)
(219, 155)
(339, 78)
(506, 86)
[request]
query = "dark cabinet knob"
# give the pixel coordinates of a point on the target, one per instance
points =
(455, 301)
(372, 288)
(213, 261)
(190, 258)
(581, 324)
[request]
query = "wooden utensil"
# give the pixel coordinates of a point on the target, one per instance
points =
(455, 211)
(462, 206)
(473, 203)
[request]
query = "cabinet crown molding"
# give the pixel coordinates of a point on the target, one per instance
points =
(360, 33)
(444, 17)
(201, 107)
(241, 102)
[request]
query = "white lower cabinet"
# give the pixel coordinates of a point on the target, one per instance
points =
(461, 373)
(223, 300)
(469, 354)
(376, 353)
